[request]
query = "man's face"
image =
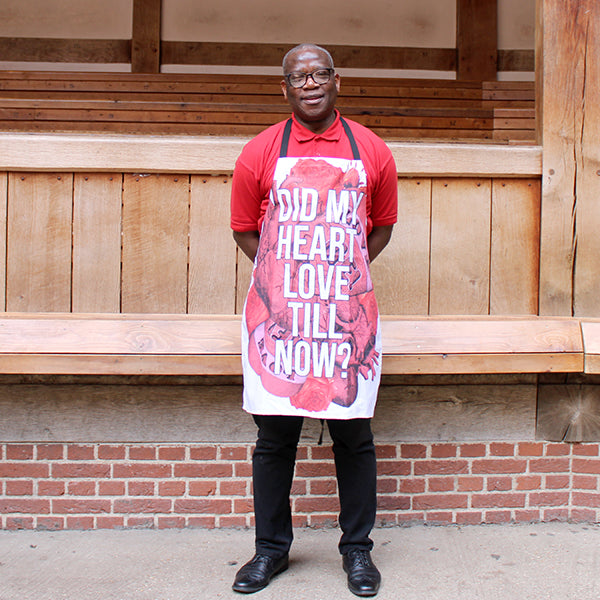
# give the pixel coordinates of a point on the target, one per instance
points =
(313, 103)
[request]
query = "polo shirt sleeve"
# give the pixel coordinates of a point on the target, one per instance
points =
(246, 196)
(384, 201)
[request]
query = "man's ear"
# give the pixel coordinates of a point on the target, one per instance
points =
(284, 88)
(337, 82)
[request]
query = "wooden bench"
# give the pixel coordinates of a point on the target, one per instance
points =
(122, 344)
(245, 104)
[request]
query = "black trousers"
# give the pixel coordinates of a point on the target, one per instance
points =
(273, 465)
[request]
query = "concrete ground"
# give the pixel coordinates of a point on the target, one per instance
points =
(525, 562)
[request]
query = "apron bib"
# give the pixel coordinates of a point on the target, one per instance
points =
(311, 341)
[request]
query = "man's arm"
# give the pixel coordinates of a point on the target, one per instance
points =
(378, 239)
(248, 242)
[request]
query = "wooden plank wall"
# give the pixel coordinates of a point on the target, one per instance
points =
(161, 243)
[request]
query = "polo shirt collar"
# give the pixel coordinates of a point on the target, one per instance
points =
(332, 134)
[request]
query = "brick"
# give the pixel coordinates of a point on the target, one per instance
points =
(171, 522)
(387, 451)
(141, 470)
(472, 450)
(412, 486)
(585, 449)
(205, 522)
(24, 469)
(321, 453)
(315, 469)
(234, 453)
(215, 506)
(232, 521)
(171, 453)
(527, 515)
(440, 484)
(24, 505)
(555, 482)
(141, 505)
(439, 518)
(302, 453)
(111, 488)
(51, 488)
(585, 499)
(109, 522)
(171, 488)
(395, 502)
(142, 453)
(499, 465)
(203, 470)
(556, 514)
(49, 451)
(323, 487)
(19, 452)
(242, 470)
(440, 467)
(84, 470)
(469, 518)
(203, 453)
(233, 488)
(386, 520)
(80, 506)
(529, 482)
(243, 505)
(398, 468)
(16, 523)
(140, 522)
(411, 517)
(19, 487)
(439, 501)
(470, 484)
(499, 484)
(203, 488)
(585, 482)
(443, 451)
(81, 488)
(50, 523)
(112, 452)
(549, 465)
(558, 449)
(548, 498)
(323, 521)
(498, 500)
(530, 449)
(413, 451)
(317, 504)
(586, 465)
(298, 487)
(140, 488)
(80, 452)
(583, 515)
(79, 522)
(497, 517)
(384, 486)
(502, 449)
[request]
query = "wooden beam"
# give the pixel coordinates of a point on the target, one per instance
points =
(263, 55)
(145, 43)
(64, 50)
(477, 39)
(187, 154)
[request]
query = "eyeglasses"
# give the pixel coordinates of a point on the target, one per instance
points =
(298, 79)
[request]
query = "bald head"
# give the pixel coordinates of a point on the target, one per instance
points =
(300, 48)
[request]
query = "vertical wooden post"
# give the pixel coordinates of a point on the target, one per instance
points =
(145, 42)
(477, 40)
(570, 119)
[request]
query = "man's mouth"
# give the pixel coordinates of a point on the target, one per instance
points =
(312, 99)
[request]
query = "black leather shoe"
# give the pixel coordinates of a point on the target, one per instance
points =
(256, 573)
(363, 576)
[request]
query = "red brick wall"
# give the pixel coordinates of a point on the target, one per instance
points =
(84, 486)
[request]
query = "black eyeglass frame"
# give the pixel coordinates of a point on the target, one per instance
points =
(330, 72)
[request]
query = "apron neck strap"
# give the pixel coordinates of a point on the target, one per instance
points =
(288, 128)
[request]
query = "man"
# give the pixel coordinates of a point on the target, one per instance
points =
(313, 202)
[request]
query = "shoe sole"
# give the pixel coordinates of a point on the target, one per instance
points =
(247, 590)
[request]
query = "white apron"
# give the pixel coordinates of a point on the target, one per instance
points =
(311, 341)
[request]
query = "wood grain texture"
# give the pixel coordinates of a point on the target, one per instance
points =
(212, 273)
(145, 40)
(3, 214)
(38, 274)
(514, 280)
(401, 272)
(460, 246)
(97, 242)
(155, 243)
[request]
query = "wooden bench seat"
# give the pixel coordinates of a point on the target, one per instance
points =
(122, 344)
(396, 109)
